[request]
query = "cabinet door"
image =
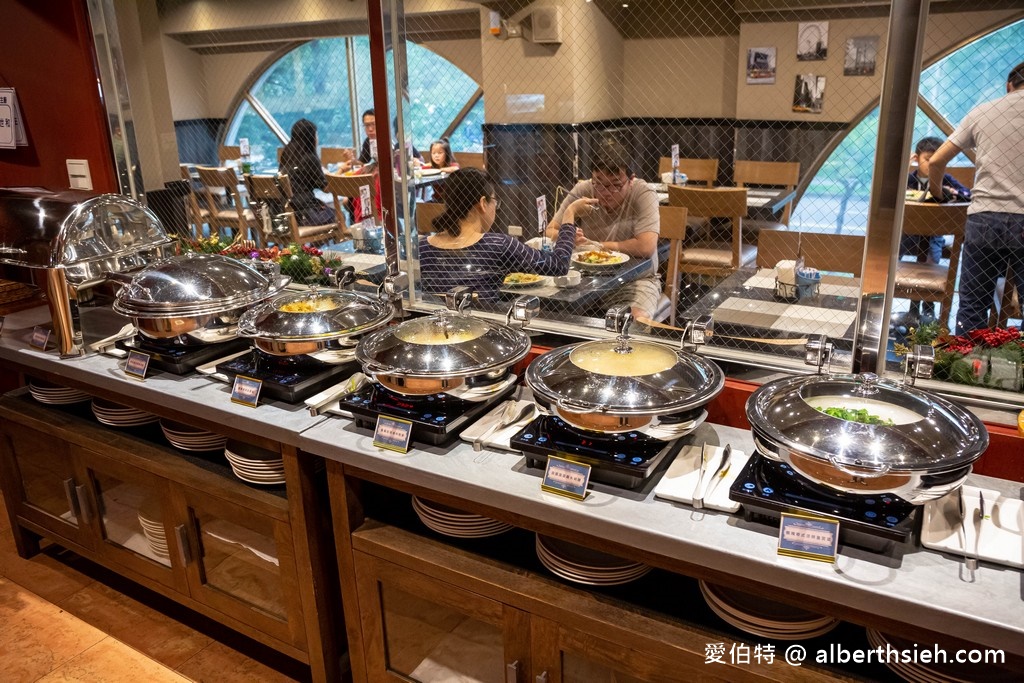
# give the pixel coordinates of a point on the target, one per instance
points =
(242, 563)
(563, 655)
(416, 627)
(133, 523)
(43, 479)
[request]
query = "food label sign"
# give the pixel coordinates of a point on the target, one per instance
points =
(392, 433)
(246, 391)
(137, 365)
(675, 158)
(810, 538)
(566, 478)
(40, 337)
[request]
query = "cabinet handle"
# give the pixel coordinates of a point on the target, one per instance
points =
(83, 503)
(184, 549)
(542, 678)
(69, 491)
(512, 672)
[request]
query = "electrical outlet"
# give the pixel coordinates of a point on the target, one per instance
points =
(515, 230)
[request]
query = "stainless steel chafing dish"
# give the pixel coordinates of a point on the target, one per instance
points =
(447, 349)
(921, 447)
(65, 242)
(195, 297)
(297, 323)
(625, 384)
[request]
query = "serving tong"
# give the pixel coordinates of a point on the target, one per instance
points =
(971, 563)
(707, 453)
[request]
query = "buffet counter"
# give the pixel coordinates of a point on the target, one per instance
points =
(914, 592)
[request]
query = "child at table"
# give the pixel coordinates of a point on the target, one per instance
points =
(441, 156)
(920, 245)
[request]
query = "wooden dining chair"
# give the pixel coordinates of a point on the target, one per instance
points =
(309, 234)
(336, 155)
(777, 174)
(932, 281)
(226, 206)
(673, 228)
(226, 153)
(825, 251)
(698, 171)
(963, 174)
(471, 160)
(711, 256)
(195, 214)
(426, 212)
(342, 187)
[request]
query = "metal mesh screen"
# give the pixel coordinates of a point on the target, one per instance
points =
(728, 149)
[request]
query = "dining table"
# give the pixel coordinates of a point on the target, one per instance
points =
(771, 199)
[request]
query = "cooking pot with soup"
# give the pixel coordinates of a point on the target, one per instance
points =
(625, 384)
(448, 349)
(194, 297)
(298, 323)
(868, 435)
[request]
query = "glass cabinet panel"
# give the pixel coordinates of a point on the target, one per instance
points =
(577, 669)
(132, 517)
(430, 642)
(241, 561)
(49, 479)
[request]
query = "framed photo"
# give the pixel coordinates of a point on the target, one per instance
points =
(809, 94)
(812, 41)
(861, 56)
(760, 66)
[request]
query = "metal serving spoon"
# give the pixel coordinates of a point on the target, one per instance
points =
(508, 417)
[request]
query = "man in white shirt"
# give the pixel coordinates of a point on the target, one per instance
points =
(994, 238)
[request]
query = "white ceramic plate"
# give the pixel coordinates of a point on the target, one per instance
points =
(617, 259)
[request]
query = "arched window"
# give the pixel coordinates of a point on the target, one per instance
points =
(836, 200)
(312, 82)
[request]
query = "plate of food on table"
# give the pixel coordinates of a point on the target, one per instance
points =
(523, 280)
(598, 259)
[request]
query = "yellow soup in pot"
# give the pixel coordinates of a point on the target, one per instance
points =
(641, 360)
(308, 306)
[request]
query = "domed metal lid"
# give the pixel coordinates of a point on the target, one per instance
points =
(625, 377)
(195, 284)
(912, 431)
(315, 315)
(444, 344)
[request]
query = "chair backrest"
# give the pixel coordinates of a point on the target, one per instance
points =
(470, 160)
(224, 181)
(673, 228)
(264, 187)
(824, 251)
(778, 173)
(920, 218)
(697, 170)
(963, 174)
(336, 155)
(716, 202)
(229, 153)
(339, 186)
(426, 212)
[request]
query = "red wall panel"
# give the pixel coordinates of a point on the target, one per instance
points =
(47, 56)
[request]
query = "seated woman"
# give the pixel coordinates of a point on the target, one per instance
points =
(462, 251)
(301, 163)
(441, 156)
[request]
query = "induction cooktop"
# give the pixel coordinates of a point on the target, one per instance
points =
(292, 379)
(180, 359)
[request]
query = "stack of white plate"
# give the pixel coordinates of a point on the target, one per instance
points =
(451, 522)
(54, 394)
(153, 529)
(936, 672)
(763, 617)
(116, 415)
(255, 465)
(583, 565)
(189, 438)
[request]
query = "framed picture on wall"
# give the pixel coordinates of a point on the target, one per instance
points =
(861, 56)
(760, 65)
(812, 41)
(809, 94)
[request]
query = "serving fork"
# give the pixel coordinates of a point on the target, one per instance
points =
(509, 416)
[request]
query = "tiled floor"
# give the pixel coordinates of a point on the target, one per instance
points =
(65, 619)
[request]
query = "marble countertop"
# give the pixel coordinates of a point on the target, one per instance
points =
(913, 585)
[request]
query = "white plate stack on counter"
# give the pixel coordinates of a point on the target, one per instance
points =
(153, 530)
(255, 465)
(189, 438)
(44, 392)
(452, 522)
(116, 415)
(583, 565)
(762, 617)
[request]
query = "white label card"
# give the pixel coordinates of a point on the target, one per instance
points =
(364, 201)
(675, 157)
(542, 214)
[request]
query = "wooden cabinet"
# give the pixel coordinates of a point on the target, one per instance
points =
(176, 523)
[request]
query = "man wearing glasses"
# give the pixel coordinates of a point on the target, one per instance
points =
(366, 154)
(625, 220)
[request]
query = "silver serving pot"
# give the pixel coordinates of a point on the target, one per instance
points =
(920, 448)
(194, 297)
(446, 350)
(626, 384)
(297, 323)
